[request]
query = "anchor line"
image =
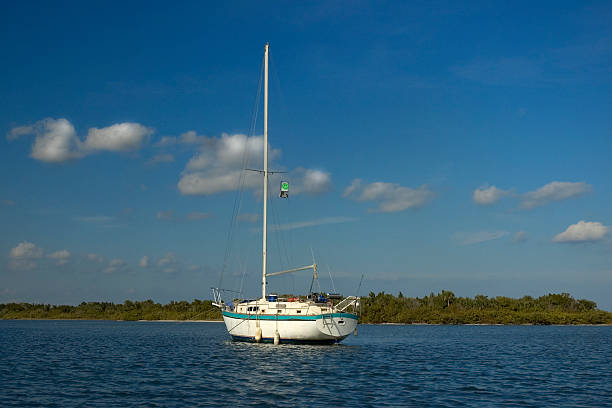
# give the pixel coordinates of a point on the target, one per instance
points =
(243, 320)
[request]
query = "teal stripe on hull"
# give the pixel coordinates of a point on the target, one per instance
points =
(287, 318)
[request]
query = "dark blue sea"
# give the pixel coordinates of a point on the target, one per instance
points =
(166, 364)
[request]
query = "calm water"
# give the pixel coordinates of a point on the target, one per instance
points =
(85, 363)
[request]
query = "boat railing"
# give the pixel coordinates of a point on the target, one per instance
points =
(220, 303)
(348, 302)
(217, 300)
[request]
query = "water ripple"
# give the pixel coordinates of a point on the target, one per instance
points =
(153, 364)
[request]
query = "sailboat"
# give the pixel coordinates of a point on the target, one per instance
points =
(315, 318)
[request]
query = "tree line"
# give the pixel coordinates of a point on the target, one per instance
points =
(446, 308)
(440, 308)
(128, 310)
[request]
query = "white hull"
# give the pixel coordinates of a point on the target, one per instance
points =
(304, 329)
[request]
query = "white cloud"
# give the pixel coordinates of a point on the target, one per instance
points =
(23, 256)
(198, 162)
(391, 197)
(165, 215)
(470, 238)
(194, 216)
(56, 140)
(213, 182)
(95, 219)
(94, 258)
(218, 166)
(231, 149)
(26, 250)
(102, 221)
(62, 256)
(160, 158)
(519, 236)
(554, 191)
(19, 131)
(310, 181)
(248, 217)
(115, 265)
(355, 185)
(166, 141)
(583, 231)
(167, 260)
(312, 223)
(191, 137)
(144, 262)
(488, 195)
(120, 137)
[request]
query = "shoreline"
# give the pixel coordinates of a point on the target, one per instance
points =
(115, 320)
(361, 324)
(482, 324)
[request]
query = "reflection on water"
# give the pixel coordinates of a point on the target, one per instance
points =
(76, 363)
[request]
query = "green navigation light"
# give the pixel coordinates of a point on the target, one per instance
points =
(284, 190)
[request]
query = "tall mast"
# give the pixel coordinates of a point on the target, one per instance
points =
(265, 172)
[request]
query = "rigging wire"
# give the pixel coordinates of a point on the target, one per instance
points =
(360, 282)
(314, 262)
(278, 233)
(241, 179)
(282, 235)
(289, 247)
(279, 237)
(283, 238)
(286, 239)
(245, 255)
(276, 227)
(281, 96)
(332, 279)
(244, 268)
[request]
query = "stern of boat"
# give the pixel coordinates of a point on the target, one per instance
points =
(337, 325)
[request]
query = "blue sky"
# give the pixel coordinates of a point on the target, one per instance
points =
(429, 146)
